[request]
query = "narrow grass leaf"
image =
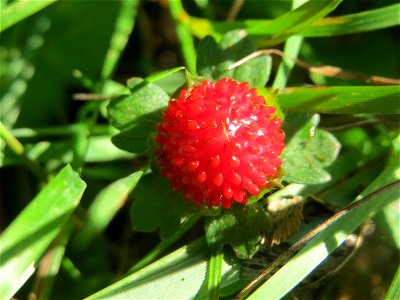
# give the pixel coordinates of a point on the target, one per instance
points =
(179, 275)
(394, 289)
(19, 10)
(342, 99)
(26, 239)
(331, 237)
(295, 21)
(292, 49)
(364, 21)
(214, 274)
(184, 35)
(105, 206)
(123, 28)
(374, 19)
(391, 215)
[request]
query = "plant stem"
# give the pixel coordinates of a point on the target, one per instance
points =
(214, 274)
(184, 35)
(18, 149)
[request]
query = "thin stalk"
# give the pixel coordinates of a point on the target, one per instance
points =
(18, 149)
(292, 48)
(214, 274)
(50, 264)
(184, 35)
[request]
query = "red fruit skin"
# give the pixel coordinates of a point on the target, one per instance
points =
(219, 142)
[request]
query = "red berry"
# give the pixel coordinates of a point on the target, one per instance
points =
(218, 142)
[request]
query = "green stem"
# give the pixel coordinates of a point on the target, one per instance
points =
(18, 149)
(123, 28)
(214, 274)
(292, 48)
(51, 262)
(184, 35)
(165, 244)
(394, 289)
(61, 131)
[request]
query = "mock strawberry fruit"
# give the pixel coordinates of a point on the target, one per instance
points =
(219, 142)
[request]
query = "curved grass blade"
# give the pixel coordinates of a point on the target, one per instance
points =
(179, 275)
(24, 242)
(123, 28)
(294, 21)
(370, 20)
(104, 207)
(342, 100)
(327, 237)
(394, 290)
(184, 35)
(19, 10)
(364, 21)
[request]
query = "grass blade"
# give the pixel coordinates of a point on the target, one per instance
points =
(123, 28)
(292, 49)
(364, 21)
(179, 275)
(26, 239)
(184, 35)
(214, 274)
(294, 21)
(342, 100)
(19, 10)
(374, 19)
(394, 290)
(332, 235)
(104, 208)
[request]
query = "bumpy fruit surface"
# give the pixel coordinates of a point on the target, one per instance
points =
(219, 142)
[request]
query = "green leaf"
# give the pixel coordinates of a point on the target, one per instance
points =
(291, 49)
(214, 274)
(26, 239)
(234, 46)
(307, 153)
(166, 243)
(391, 219)
(215, 59)
(145, 102)
(329, 238)
(105, 206)
(295, 21)
(179, 275)
(185, 37)
(19, 10)
(394, 289)
(160, 75)
(157, 206)
(342, 99)
(240, 226)
(123, 28)
(369, 20)
(137, 114)
(207, 57)
(364, 21)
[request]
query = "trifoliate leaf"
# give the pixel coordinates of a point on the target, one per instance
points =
(156, 206)
(308, 152)
(137, 114)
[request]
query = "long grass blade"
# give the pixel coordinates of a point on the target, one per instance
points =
(19, 10)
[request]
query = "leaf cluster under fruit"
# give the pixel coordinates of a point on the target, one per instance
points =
(156, 206)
